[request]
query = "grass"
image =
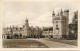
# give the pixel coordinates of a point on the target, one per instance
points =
(22, 43)
(71, 42)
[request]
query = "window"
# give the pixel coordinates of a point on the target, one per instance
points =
(56, 26)
(56, 21)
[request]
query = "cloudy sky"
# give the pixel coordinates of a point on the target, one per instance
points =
(39, 13)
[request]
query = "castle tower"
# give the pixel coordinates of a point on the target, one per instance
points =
(26, 28)
(60, 24)
(66, 13)
(26, 24)
(61, 13)
(53, 15)
(56, 19)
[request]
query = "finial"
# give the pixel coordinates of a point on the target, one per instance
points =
(53, 13)
(26, 20)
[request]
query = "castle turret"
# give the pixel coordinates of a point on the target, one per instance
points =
(60, 24)
(26, 28)
(61, 13)
(53, 15)
(66, 13)
(26, 23)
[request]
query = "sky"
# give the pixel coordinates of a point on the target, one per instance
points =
(38, 13)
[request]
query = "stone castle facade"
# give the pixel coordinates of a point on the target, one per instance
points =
(21, 32)
(60, 29)
(60, 24)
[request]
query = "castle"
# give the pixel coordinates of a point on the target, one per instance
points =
(60, 24)
(60, 29)
(25, 31)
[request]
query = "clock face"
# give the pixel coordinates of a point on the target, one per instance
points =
(56, 31)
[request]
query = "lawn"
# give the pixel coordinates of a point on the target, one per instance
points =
(71, 42)
(22, 43)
